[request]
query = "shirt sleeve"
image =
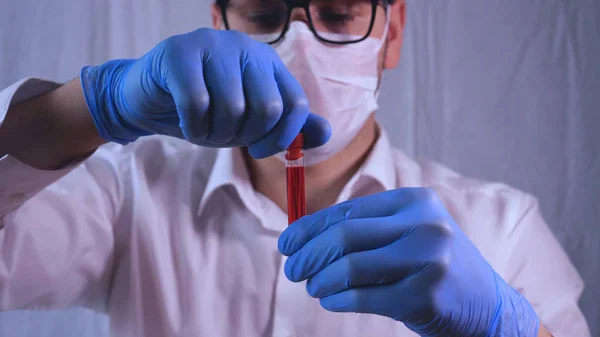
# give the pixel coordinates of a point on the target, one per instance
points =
(541, 270)
(56, 234)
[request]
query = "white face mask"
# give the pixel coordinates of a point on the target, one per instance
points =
(340, 82)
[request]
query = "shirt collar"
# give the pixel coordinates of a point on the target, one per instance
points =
(380, 164)
(230, 170)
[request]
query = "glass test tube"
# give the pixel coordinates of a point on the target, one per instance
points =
(296, 192)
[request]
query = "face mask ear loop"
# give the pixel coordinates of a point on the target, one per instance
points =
(384, 37)
(386, 29)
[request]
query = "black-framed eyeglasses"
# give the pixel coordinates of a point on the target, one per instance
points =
(331, 21)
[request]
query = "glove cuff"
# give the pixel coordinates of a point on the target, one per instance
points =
(515, 317)
(101, 87)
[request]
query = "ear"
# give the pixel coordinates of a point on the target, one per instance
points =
(395, 34)
(217, 18)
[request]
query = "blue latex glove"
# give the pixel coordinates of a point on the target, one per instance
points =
(399, 254)
(213, 88)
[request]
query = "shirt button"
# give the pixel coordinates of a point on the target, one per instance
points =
(17, 198)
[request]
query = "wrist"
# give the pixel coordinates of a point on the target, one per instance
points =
(514, 315)
(103, 91)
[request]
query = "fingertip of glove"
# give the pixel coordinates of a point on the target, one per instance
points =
(283, 244)
(317, 131)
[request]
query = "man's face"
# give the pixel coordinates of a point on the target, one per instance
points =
(339, 20)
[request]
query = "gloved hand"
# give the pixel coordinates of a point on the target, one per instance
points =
(213, 88)
(399, 254)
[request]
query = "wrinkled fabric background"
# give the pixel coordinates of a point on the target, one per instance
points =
(503, 90)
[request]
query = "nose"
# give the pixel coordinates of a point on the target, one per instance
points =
(298, 14)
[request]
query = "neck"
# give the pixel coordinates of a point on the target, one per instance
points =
(325, 181)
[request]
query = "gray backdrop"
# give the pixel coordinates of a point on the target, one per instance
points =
(496, 89)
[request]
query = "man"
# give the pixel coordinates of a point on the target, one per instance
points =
(174, 238)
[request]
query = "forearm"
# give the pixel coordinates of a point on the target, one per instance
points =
(50, 130)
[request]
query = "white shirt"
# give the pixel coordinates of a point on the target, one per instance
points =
(171, 240)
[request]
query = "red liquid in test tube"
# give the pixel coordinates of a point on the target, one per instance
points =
(296, 192)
